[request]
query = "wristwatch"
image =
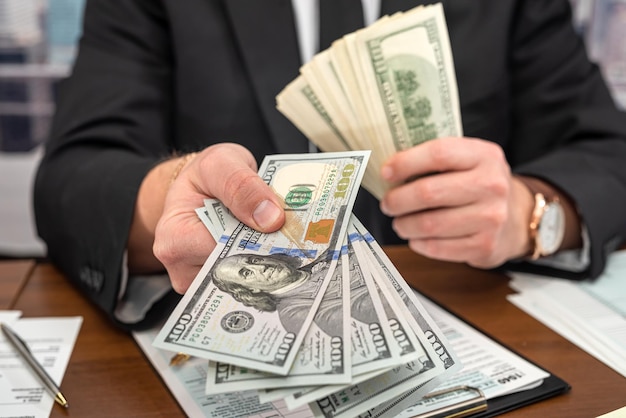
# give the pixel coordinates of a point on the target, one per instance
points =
(547, 226)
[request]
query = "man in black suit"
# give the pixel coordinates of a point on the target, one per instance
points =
(156, 80)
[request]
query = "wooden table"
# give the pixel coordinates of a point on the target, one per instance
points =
(108, 375)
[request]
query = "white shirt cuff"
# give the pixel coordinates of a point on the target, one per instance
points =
(138, 294)
(570, 260)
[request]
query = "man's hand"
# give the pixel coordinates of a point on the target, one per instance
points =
(458, 202)
(227, 172)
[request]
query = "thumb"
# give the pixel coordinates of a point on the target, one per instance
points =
(234, 181)
(253, 202)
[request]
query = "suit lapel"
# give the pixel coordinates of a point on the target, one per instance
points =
(257, 25)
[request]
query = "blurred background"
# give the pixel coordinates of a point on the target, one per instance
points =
(38, 41)
(37, 47)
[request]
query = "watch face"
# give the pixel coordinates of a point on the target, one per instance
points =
(552, 228)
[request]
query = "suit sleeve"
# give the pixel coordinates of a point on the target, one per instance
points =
(111, 126)
(566, 128)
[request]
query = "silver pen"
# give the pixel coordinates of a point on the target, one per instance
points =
(24, 351)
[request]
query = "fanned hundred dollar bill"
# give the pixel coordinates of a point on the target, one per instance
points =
(392, 392)
(254, 299)
(376, 336)
(368, 396)
(400, 292)
(414, 378)
(322, 358)
(380, 340)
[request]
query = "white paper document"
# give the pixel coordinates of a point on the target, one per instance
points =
(51, 340)
(591, 314)
(489, 366)
(187, 383)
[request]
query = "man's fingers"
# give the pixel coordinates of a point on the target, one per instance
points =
(182, 243)
(180, 275)
(227, 172)
(252, 201)
(230, 176)
(476, 250)
(451, 222)
(435, 191)
(438, 155)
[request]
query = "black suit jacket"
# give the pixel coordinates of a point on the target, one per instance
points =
(154, 76)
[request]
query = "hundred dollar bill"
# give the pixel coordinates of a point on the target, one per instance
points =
(379, 334)
(323, 357)
(418, 375)
(409, 75)
(399, 290)
(374, 346)
(401, 387)
(378, 342)
(255, 297)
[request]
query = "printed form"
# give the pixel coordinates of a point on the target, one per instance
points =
(488, 365)
(51, 340)
(590, 313)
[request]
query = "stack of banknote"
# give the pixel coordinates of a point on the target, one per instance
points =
(384, 88)
(314, 313)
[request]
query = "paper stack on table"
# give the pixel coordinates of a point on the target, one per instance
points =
(591, 314)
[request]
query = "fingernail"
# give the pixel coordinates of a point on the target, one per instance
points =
(383, 208)
(266, 214)
(386, 172)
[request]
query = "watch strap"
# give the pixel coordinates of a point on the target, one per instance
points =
(535, 219)
(573, 221)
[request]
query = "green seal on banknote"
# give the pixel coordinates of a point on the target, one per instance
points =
(299, 195)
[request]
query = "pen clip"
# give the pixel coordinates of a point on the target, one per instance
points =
(13, 337)
(8, 330)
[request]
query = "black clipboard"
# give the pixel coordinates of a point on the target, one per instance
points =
(479, 406)
(551, 386)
